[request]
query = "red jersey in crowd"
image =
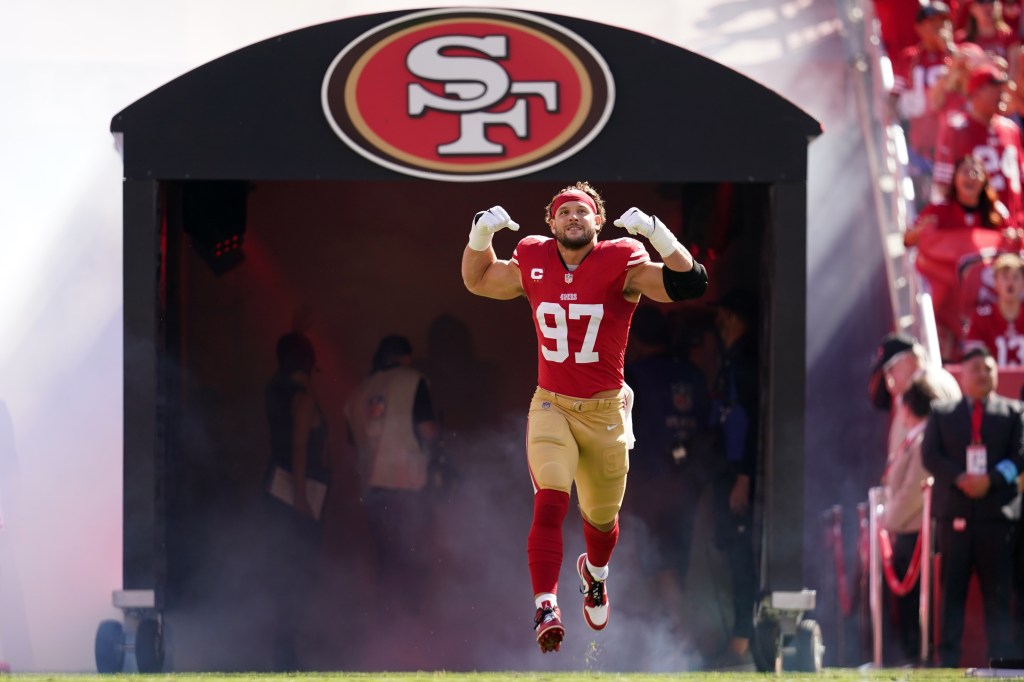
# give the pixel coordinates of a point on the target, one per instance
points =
(581, 316)
(998, 44)
(897, 17)
(948, 214)
(1004, 339)
(1011, 15)
(955, 101)
(997, 145)
(915, 71)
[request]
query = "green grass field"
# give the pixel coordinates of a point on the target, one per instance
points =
(835, 674)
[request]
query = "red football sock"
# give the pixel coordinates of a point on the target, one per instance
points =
(544, 544)
(600, 543)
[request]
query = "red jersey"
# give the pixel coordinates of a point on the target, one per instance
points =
(1011, 15)
(896, 18)
(581, 316)
(915, 71)
(997, 145)
(948, 214)
(998, 44)
(1005, 340)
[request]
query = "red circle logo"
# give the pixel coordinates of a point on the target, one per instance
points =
(468, 95)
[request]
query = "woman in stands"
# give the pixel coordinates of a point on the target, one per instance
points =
(986, 27)
(947, 231)
(969, 202)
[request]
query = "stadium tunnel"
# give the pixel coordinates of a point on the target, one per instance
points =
(330, 175)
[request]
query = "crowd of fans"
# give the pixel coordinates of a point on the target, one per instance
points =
(958, 91)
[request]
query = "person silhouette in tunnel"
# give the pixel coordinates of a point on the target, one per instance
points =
(296, 483)
(582, 293)
(735, 420)
(392, 423)
(666, 468)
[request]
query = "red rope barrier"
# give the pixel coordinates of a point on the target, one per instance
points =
(899, 587)
(864, 540)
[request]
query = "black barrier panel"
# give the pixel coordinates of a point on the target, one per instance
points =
(257, 114)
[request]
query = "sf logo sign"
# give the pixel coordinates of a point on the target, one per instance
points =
(467, 95)
(481, 84)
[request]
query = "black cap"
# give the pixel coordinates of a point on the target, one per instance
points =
(295, 353)
(390, 350)
(740, 301)
(932, 9)
(891, 346)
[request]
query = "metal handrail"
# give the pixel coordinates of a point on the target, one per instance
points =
(888, 160)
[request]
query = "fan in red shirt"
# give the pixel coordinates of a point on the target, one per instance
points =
(949, 94)
(982, 131)
(969, 201)
(896, 19)
(1011, 11)
(916, 70)
(969, 217)
(583, 293)
(986, 26)
(998, 326)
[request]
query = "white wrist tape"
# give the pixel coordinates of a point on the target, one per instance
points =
(662, 239)
(480, 241)
(479, 236)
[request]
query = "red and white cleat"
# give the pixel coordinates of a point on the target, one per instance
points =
(596, 605)
(548, 624)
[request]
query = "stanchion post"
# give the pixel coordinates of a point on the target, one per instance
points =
(925, 592)
(876, 498)
(832, 527)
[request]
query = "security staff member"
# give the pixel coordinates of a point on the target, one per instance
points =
(973, 448)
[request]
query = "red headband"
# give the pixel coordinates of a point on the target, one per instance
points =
(573, 195)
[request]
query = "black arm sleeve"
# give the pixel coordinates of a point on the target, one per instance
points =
(683, 285)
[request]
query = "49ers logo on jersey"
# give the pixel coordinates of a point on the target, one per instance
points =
(468, 95)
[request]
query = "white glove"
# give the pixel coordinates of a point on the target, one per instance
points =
(636, 221)
(486, 223)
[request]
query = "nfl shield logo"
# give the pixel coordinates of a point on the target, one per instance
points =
(682, 399)
(568, 278)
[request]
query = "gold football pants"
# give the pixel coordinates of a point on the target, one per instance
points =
(586, 441)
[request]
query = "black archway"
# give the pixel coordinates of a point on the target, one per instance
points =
(373, 249)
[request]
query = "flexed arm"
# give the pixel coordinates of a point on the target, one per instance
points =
(679, 277)
(482, 272)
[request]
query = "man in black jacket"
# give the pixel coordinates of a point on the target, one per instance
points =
(973, 448)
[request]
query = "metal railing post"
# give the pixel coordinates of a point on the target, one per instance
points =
(876, 497)
(924, 604)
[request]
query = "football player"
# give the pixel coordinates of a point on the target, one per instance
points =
(583, 293)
